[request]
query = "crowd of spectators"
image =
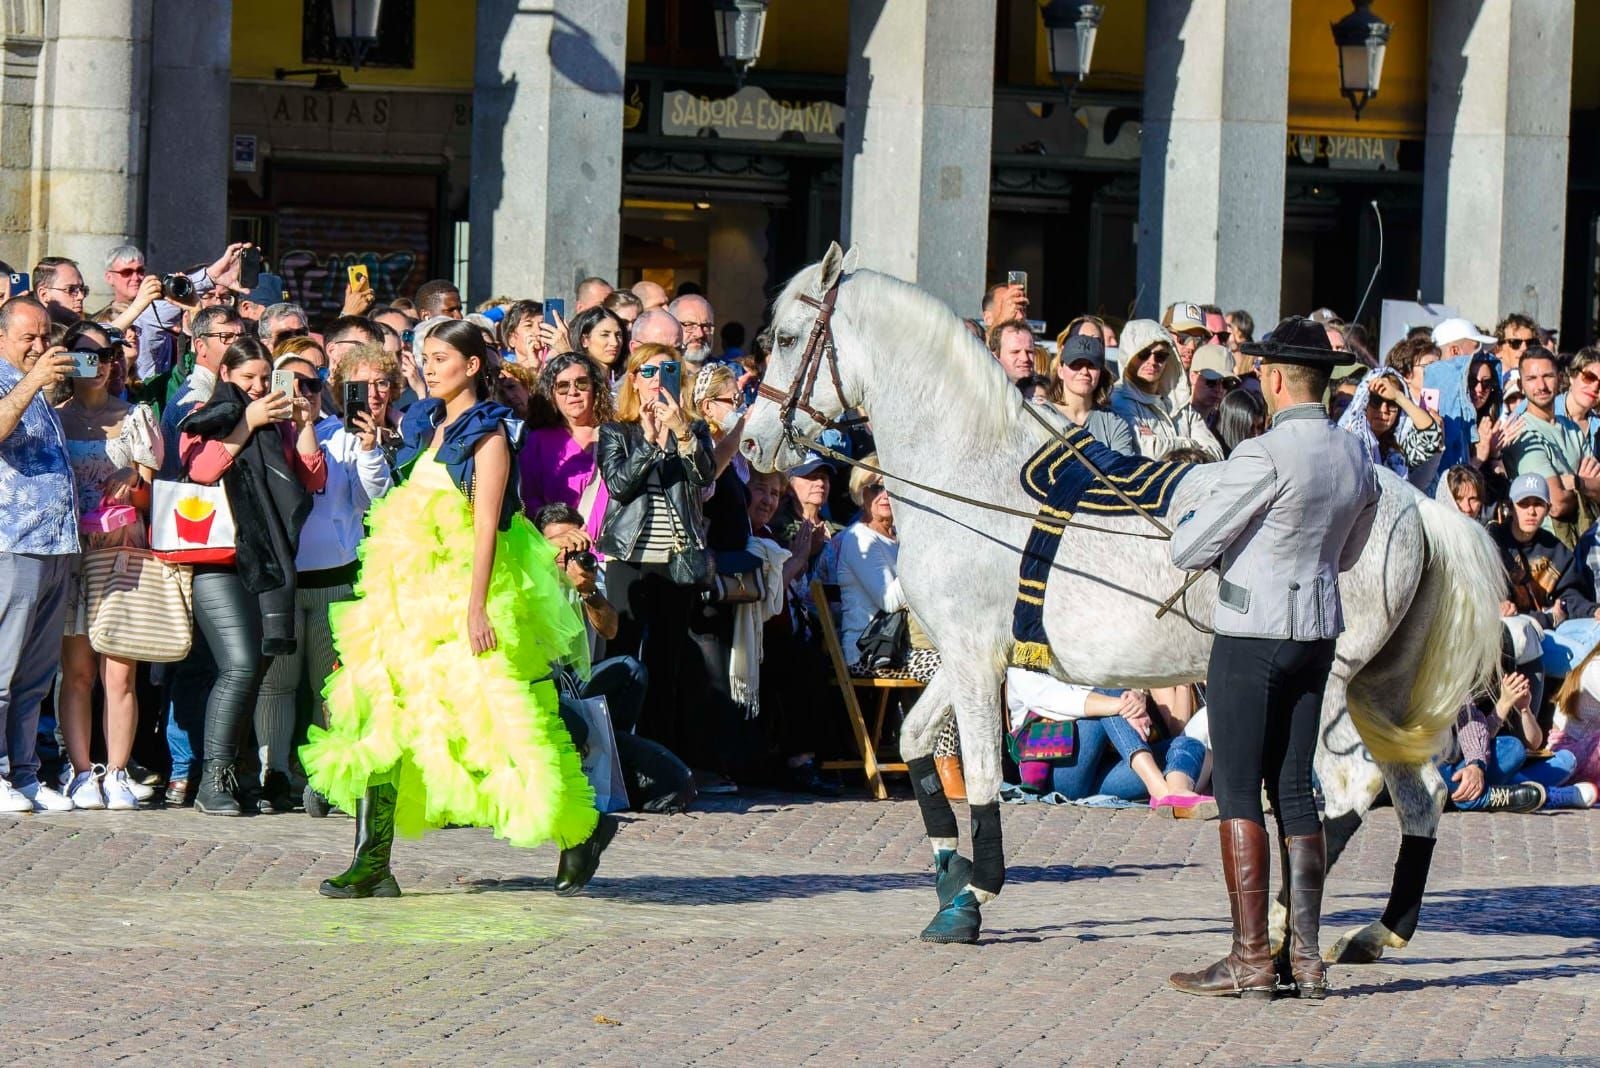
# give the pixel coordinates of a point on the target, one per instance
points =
(696, 575)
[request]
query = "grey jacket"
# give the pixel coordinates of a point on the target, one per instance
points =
(1292, 509)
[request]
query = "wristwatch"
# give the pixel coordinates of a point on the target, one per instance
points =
(594, 599)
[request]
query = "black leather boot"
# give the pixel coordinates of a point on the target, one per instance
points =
(369, 875)
(579, 863)
(219, 788)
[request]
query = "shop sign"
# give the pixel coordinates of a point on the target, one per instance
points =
(1345, 153)
(356, 111)
(244, 153)
(751, 114)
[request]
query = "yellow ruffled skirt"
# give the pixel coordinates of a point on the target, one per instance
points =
(464, 739)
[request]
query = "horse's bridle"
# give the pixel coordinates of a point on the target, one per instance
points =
(818, 351)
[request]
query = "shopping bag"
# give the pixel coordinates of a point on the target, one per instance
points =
(139, 607)
(191, 523)
(601, 763)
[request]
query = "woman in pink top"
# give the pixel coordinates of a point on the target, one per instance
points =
(557, 460)
(231, 616)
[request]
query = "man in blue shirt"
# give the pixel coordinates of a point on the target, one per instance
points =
(38, 544)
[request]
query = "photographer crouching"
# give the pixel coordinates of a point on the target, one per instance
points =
(656, 780)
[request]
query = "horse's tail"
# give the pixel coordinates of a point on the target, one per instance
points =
(1461, 648)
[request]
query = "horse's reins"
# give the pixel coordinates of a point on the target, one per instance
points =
(819, 350)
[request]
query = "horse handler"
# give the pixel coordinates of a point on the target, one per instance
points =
(1291, 510)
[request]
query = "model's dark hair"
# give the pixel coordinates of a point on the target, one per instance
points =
(467, 339)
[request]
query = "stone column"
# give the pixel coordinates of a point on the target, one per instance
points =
(190, 148)
(546, 194)
(89, 173)
(1495, 168)
(918, 143)
(1216, 100)
(22, 28)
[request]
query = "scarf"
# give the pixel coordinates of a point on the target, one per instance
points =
(744, 665)
(1355, 421)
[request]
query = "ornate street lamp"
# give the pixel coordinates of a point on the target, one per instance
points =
(740, 24)
(355, 25)
(1071, 26)
(1361, 38)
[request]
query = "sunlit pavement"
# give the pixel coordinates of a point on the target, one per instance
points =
(762, 932)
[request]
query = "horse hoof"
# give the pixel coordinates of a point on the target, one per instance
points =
(954, 873)
(957, 923)
(1277, 926)
(1364, 945)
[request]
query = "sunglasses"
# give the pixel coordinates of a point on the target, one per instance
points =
(1589, 378)
(1516, 342)
(1221, 337)
(299, 331)
(650, 371)
(1483, 383)
(1157, 356)
(131, 272)
(71, 291)
(309, 387)
(1380, 402)
(577, 385)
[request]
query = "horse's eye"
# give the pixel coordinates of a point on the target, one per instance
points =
(785, 340)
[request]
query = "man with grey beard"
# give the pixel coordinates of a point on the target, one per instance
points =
(699, 324)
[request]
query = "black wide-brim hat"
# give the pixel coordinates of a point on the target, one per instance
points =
(1296, 340)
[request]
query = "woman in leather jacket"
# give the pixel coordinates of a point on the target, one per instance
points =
(656, 463)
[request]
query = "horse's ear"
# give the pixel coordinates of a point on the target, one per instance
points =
(852, 260)
(832, 267)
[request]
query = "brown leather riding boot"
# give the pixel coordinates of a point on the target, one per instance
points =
(1308, 867)
(1246, 971)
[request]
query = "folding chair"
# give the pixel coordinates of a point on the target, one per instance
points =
(848, 681)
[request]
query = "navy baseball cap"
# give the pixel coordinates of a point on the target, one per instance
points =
(269, 290)
(1083, 347)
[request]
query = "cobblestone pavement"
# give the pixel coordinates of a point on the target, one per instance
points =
(762, 932)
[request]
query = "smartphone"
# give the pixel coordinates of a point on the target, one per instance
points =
(1018, 278)
(556, 306)
(20, 283)
(287, 383)
(669, 382)
(85, 364)
(357, 398)
(358, 276)
(250, 267)
(407, 337)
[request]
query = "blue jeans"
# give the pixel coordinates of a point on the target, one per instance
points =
(1102, 762)
(1509, 764)
(188, 684)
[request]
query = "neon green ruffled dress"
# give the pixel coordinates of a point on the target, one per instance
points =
(465, 739)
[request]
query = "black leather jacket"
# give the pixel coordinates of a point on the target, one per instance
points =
(626, 460)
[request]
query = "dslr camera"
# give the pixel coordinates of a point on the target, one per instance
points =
(177, 287)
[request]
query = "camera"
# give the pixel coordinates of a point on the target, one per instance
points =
(177, 287)
(585, 559)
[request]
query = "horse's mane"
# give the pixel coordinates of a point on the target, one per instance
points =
(962, 381)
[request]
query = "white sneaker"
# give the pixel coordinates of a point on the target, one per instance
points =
(12, 800)
(120, 796)
(84, 790)
(141, 792)
(44, 799)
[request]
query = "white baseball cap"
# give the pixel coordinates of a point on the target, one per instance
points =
(1449, 331)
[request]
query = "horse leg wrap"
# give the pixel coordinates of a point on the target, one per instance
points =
(1410, 880)
(938, 818)
(1338, 831)
(988, 853)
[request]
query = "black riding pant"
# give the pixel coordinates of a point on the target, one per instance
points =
(230, 618)
(1264, 710)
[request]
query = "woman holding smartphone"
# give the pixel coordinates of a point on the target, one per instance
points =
(656, 463)
(259, 443)
(326, 568)
(115, 449)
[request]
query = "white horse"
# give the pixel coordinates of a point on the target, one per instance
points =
(1421, 605)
